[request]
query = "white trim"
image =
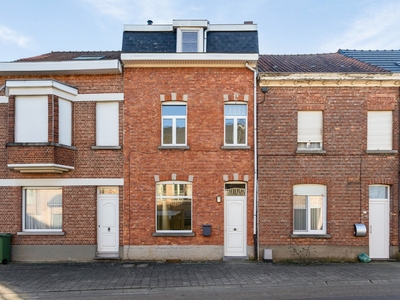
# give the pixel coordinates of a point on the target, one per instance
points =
(185, 59)
(190, 23)
(111, 66)
(100, 97)
(232, 27)
(63, 182)
(40, 87)
(190, 56)
(3, 99)
(39, 168)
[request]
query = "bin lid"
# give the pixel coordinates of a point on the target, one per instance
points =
(6, 235)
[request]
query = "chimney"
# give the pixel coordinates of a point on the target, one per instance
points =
(149, 22)
(248, 22)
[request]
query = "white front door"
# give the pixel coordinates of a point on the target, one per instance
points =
(379, 222)
(107, 222)
(235, 220)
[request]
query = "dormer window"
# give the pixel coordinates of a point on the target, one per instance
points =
(189, 40)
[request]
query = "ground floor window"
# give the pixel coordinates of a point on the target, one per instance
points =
(309, 209)
(42, 209)
(174, 206)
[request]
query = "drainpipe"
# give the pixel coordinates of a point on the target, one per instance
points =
(255, 164)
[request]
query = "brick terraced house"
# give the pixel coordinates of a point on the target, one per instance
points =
(61, 159)
(328, 140)
(188, 145)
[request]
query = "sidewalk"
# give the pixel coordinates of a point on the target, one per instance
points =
(34, 279)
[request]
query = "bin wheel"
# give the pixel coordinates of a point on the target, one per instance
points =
(4, 261)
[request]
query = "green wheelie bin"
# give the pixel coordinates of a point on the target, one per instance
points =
(5, 248)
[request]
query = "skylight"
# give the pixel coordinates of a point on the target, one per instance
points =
(89, 57)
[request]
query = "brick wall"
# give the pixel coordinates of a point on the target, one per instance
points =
(345, 168)
(79, 202)
(205, 160)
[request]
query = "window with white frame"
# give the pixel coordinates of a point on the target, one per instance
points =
(189, 40)
(309, 130)
(235, 116)
(173, 124)
(174, 206)
(31, 119)
(107, 124)
(309, 209)
(42, 209)
(380, 130)
(65, 122)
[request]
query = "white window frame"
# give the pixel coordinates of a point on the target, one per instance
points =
(172, 198)
(174, 119)
(310, 190)
(31, 119)
(107, 124)
(235, 125)
(179, 39)
(24, 208)
(309, 130)
(387, 188)
(65, 122)
(380, 130)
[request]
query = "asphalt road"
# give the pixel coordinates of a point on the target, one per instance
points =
(210, 280)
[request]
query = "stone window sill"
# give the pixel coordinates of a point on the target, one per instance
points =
(381, 152)
(310, 152)
(311, 236)
(40, 144)
(41, 233)
(106, 147)
(235, 147)
(173, 147)
(173, 234)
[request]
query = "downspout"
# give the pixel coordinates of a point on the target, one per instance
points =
(205, 40)
(255, 232)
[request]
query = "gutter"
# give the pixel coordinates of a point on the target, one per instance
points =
(255, 210)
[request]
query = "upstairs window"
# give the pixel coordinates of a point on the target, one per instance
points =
(189, 40)
(235, 124)
(174, 206)
(174, 125)
(31, 119)
(379, 130)
(65, 122)
(309, 130)
(107, 124)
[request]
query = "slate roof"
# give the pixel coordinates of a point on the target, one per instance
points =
(66, 56)
(165, 42)
(316, 63)
(387, 59)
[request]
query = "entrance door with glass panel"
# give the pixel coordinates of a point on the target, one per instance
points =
(378, 221)
(235, 220)
(107, 222)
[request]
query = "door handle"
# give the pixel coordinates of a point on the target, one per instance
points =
(370, 228)
(234, 229)
(108, 229)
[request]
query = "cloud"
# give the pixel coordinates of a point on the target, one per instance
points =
(9, 36)
(138, 11)
(376, 28)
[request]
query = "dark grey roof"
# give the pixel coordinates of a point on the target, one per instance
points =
(232, 42)
(315, 63)
(387, 59)
(149, 42)
(72, 55)
(165, 42)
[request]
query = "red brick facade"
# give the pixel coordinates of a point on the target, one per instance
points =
(345, 168)
(205, 159)
(79, 218)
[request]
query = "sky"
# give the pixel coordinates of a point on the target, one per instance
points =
(33, 27)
